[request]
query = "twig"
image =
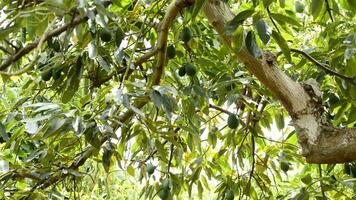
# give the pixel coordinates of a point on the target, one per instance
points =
(28, 48)
(38, 50)
(329, 10)
(170, 158)
(273, 22)
(321, 182)
(323, 66)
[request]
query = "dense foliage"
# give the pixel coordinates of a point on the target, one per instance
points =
(86, 114)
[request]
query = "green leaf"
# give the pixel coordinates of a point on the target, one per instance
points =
(307, 179)
(263, 30)
(55, 125)
(238, 20)
(282, 3)
(238, 39)
(107, 159)
(156, 97)
(3, 133)
(352, 5)
(197, 6)
(282, 43)
(252, 46)
(267, 3)
(280, 121)
(131, 171)
(75, 75)
(282, 19)
(316, 7)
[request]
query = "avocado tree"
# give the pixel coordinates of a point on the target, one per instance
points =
(178, 98)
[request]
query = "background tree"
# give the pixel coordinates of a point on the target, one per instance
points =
(177, 98)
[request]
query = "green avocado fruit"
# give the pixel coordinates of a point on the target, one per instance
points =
(229, 195)
(163, 194)
(284, 166)
(105, 35)
(171, 51)
(181, 71)
(186, 34)
(190, 69)
(232, 121)
(150, 169)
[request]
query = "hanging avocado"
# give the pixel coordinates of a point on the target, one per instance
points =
(105, 35)
(186, 35)
(163, 194)
(232, 121)
(181, 71)
(229, 195)
(284, 166)
(190, 69)
(171, 51)
(150, 169)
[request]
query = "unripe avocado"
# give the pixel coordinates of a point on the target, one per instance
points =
(232, 121)
(284, 166)
(186, 34)
(105, 35)
(190, 69)
(150, 169)
(163, 194)
(229, 195)
(46, 74)
(56, 46)
(181, 71)
(171, 51)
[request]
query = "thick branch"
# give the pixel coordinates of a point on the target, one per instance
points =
(320, 141)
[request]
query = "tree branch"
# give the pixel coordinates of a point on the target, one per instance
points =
(28, 48)
(325, 67)
(320, 141)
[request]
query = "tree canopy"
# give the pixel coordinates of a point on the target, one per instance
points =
(177, 99)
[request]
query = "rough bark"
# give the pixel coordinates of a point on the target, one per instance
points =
(319, 140)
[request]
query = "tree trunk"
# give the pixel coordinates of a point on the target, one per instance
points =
(319, 140)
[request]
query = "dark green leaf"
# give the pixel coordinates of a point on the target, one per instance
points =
(55, 126)
(282, 19)
(252, 46)
(316, 7)
(263, 30)
(238, 20)
(3, 133)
